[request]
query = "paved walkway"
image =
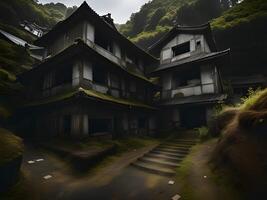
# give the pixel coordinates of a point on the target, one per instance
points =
(117, 180)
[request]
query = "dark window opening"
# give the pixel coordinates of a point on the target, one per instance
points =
(181, 49)
(186, 78)
(67, 125)
(103, 42)
(198, 44)
(142, 123)
(99, 126)
(99, 75)
(63, 76)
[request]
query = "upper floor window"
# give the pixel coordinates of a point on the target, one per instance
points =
(181, 49)
(198, 44)
(99, 75)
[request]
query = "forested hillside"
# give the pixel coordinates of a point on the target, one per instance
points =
(239, 26)
(13, 12)
(15, 59)
(158, 16)
(243, 29)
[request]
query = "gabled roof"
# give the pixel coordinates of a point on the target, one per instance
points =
(198, 58)
(200, 29)
(85, 12)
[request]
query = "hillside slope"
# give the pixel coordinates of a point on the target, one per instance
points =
(243, 29)
(157, 17)
(15, 59)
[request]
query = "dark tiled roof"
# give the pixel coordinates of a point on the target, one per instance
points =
(77, 49)
(94, 95)
(199, 99)
(201, 57)
(86, 12)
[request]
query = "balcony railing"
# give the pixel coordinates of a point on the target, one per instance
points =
(187, 91)
(87, 84)
(107, 54)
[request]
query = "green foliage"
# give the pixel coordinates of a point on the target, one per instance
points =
(15, 11)
(14, 59)
(252, 98)
(11, 146)
(203, 133)
(152, 14)
(157, 17)
(245, 12)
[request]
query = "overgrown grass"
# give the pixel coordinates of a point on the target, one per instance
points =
(197, 180)
(11, 146)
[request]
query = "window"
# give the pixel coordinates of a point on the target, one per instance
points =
(99, 75)
(198, 44)
(181, 49)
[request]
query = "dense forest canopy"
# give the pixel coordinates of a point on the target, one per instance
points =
(158, 16)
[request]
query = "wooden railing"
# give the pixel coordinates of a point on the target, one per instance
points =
(188, 91)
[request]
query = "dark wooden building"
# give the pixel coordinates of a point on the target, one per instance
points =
(91, 81)
(94, 81)
(189, 71)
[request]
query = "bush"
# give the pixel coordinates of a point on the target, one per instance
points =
(203, 133)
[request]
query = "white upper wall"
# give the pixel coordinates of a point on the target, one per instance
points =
(167, 54)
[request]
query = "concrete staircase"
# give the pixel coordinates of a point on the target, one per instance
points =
(166, 157)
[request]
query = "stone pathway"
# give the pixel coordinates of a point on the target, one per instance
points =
(165, 158)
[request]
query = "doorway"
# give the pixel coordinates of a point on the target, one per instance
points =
(193, 116)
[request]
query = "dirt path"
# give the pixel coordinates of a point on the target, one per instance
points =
(197, 181)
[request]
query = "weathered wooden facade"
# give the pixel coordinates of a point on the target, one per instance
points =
(94, 81)
(189, 71)
(91, 81)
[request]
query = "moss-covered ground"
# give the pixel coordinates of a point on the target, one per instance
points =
(11, 146)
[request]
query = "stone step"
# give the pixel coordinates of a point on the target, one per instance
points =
(169, 153)
(165, 157)
(174, 147)
(176, 142)
(152, 168)
(173, 143)
(185, 140)
(171, 150)
(179, 144)
(159, 162)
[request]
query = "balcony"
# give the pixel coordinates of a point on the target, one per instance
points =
(129, 67)
(187, 91)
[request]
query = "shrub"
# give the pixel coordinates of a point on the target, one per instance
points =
(203, 133)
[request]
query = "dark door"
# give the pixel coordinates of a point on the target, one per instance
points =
(193, 117)
(99, 126)
(67, 125)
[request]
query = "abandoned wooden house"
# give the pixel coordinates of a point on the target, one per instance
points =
(189, 71)
(94, 81)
